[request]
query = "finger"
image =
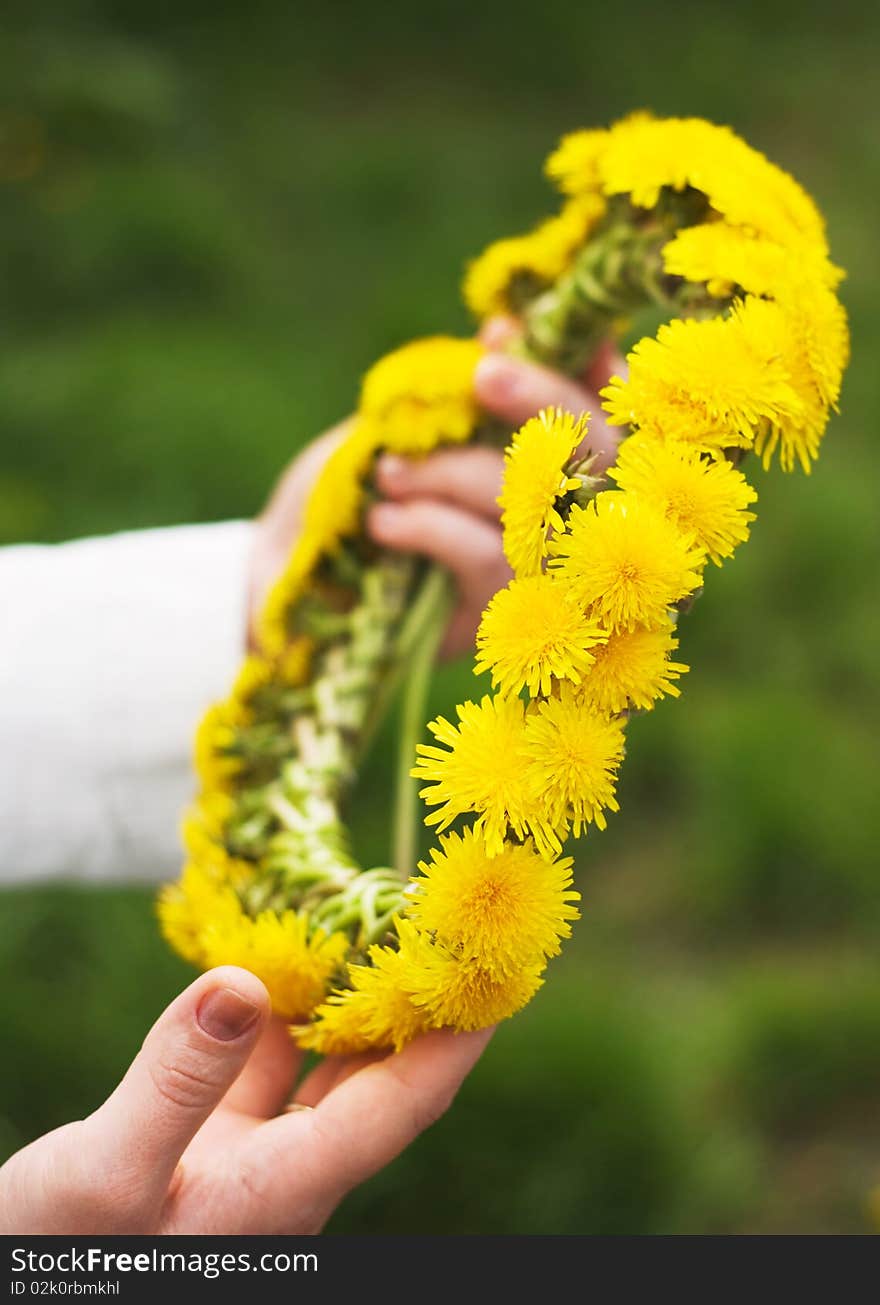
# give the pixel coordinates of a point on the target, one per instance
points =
(360, 1126)
(470, 478)
(371, 1117)
(605, 363)
(466, 545)
(516, 390)
(499, 332)
(332, 1071)
(189, 1060)
(265, 1083)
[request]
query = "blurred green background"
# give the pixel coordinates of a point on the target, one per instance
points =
(212, 218)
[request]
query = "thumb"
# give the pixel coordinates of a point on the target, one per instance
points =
(189, 1059)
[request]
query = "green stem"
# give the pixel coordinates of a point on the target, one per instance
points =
(418, 617)
(435, 602)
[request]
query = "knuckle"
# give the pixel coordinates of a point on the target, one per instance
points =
(185, 1087)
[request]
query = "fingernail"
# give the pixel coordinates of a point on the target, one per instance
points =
(498, 375)
(496, 332)
(384, 518)
(224, 1014)
(391, 467)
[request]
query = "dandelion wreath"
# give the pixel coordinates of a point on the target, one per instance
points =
(679, 214)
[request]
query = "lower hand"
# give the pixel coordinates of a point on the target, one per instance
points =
(192, 1142)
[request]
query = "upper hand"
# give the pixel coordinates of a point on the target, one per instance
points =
(444, 506)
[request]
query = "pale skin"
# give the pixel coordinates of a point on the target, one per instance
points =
(199, 1137)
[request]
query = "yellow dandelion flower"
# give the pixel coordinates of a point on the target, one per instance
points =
(780, 330)
(423, 394)
(334, 506)
(215, 735)
(295, 968)
(204, 823)
(460, 994)
(503, 912)
(642, 155)
(337, 1027)
(512, 271)
(533, 632)
(332, 513)
(574, 164)
(728, 257)
(574, 755)
(712, 384)
(374, 1012)
(480, 769)
(294, 663)
(289, 668)
(632, 669)
(534, 482)
(626, 561)
(253, 675)
(200, 900)
(704, 497)
(272, 625)
(203, 842)
(817, 321)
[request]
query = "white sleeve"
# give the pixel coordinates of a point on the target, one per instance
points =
(109, 651)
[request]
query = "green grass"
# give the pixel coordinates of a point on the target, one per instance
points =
(212, 218)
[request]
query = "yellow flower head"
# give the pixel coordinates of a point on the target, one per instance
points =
(512, 271)
(574, 164)
(337, 1027)
(704, 497)
(728, 257)
(503, 912)
(294, 663)
(481, 769)
(820, 328)
(574, 755)
(333, 509)
(626, 561)
(272, 623)
(200, 900)
(289, 668)
(215, 737)
(254, 674)
(276, 948)
(457, 993)
(374, 1012)
(712, 384)
(332, 513)
(205, 847)
(204, 823)
(423, 395)
(642, 155)
(533, 632)
(813, 362)
(632, 669)
(534, 481)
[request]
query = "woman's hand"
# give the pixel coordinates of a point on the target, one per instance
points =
(192, 1142)
(444, 506)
